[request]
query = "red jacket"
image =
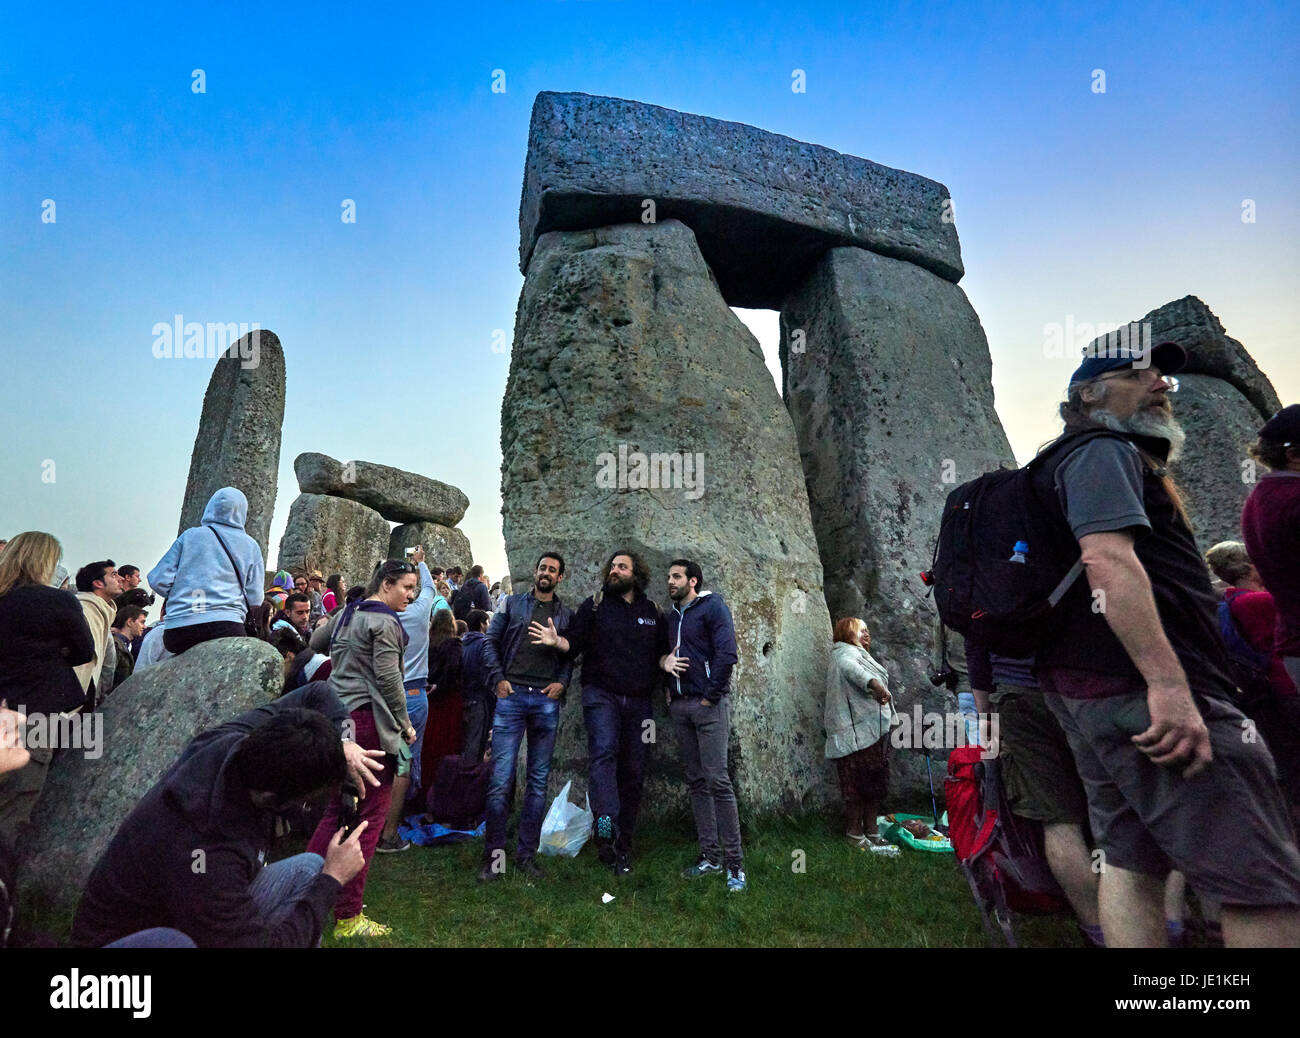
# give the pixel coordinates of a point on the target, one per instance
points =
(1256, 617)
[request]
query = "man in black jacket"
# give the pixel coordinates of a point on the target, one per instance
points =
(622, 638)
(190, 855)
(477, 693)
(473, 594)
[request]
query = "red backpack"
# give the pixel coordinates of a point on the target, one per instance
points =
(1000, 854)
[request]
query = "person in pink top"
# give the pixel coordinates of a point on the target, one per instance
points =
(1270, 526)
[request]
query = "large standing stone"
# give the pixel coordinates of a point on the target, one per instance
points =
(402, 497)
(334, 535)
(627, 361)
(1211, 351)
(443, 546)
(763, 207)
(1215, 472)
(145, 724)
(888, 380)
(238, 444)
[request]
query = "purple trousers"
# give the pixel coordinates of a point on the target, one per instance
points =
(373, 809)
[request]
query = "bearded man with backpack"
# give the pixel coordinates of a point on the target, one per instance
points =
(1130, 660)
(1141, 683)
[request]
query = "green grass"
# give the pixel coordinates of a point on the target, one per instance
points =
(845, 898)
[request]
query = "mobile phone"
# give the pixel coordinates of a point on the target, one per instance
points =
(349, 812)
(410, 552)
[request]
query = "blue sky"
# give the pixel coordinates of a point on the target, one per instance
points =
(224, 206)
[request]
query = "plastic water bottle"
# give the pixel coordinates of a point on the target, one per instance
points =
(1018, 553)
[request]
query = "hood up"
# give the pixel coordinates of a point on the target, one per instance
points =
(227, 507)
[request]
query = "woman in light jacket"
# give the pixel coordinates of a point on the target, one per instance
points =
(366, 646)
(211, 576)
(858, 715)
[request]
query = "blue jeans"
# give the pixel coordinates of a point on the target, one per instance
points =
(275, 891)
(616, 756)
(417, 708)
(281, 885)
(524, 711)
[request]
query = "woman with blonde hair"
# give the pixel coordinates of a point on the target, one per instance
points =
(859, 712)
(43, 636)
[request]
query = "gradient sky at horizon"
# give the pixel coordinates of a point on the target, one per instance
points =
(1072, 206)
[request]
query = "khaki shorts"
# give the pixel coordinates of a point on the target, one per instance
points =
(1038, 770)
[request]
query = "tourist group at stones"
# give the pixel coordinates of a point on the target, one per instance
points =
(379, 686)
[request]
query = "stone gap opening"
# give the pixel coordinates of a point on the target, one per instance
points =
(766, 328)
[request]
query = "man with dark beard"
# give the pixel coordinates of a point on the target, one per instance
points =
(621, 636)
(1133, 667)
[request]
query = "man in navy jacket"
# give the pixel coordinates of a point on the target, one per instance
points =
(529, 680)
(702, 651)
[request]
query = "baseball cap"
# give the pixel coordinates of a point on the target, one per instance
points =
(1283, 427)
(1169, 357)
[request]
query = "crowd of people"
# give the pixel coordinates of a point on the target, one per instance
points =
(1155, 732)
(1159, 735)
(415, 666)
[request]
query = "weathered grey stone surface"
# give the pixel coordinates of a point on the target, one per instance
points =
(1215, 473)
(889, 386)
(443, 546)
(238, 443)
(334, 535)
(623, 341)
(402, 497)
(1211, 351)
(763, 207)
(146, 723)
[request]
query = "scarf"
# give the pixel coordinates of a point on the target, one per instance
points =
(366, 605)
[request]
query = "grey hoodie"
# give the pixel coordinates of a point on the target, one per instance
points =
(196, 576)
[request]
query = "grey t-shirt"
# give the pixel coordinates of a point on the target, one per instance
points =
(1100, 488)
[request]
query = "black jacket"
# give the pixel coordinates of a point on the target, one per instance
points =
(150, 875)
(43, 635)
(474, 672)
(620, 644)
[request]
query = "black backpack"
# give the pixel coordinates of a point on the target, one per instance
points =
(462, 601)
(978, 591)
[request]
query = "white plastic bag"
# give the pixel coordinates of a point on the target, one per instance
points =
(566, 826)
